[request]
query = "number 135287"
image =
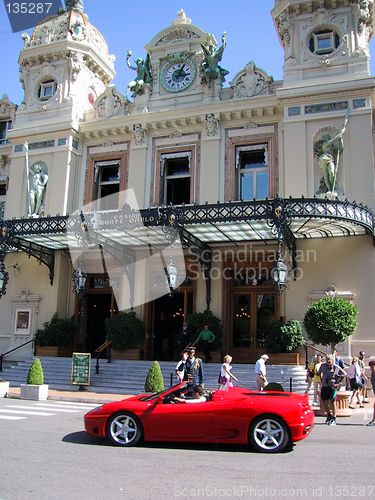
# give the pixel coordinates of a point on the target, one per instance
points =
(28, 8)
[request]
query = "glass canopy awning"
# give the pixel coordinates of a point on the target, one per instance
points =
(200, 225)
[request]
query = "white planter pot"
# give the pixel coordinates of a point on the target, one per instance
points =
(4, 389)
(34, 392)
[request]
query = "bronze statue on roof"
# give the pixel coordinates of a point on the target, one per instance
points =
(74, 5)
(210, 69)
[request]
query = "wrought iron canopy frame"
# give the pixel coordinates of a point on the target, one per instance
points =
(204, 225)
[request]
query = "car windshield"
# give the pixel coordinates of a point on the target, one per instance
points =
(161, 393)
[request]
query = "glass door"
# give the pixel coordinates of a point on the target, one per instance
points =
(251, 313)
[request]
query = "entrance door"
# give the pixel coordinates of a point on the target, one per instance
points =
(166, 318)
(250, 316)
(97, 310)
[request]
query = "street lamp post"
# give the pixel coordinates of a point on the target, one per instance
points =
(279, 219)
(280, 274)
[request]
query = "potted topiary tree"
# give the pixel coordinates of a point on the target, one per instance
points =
(330, 321)
(197, 321)
(154, 380)
(283, 340)
(56, 337)
(127, 333)
(35, 388)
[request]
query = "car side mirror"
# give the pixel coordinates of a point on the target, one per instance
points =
(160, 399)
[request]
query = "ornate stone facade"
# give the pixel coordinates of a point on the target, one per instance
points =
(186, 141)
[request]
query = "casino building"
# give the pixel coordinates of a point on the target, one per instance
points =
(252, 173)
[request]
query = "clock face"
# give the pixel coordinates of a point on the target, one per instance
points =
(178, 75)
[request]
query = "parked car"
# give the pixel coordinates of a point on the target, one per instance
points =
(269, 421)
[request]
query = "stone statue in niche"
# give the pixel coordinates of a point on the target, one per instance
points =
(328, 150)
(37, 189)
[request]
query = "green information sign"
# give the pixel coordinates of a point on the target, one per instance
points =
(81, 368)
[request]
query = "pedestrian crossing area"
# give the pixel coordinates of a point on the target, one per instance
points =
(20, 410)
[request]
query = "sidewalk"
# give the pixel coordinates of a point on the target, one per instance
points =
(75, 396)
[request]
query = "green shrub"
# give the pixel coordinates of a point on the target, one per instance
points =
(56, 332)
(283, 338)
(197, 321)
(125, 330)
(154, 380)
(330, 321)
(35, 375)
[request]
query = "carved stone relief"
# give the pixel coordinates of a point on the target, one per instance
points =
(109, 104)
(251, 81)
(364, 29)
(177, 35)
(139, 134)
(211, 124)
(285, 26)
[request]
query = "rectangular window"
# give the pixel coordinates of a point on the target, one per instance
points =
(3, 192)
(253, 170)
(106, 185)
(47, 90)
(175, 170)
(4, 126)
(324, 42)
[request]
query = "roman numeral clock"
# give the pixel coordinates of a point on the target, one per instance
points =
(178, 73)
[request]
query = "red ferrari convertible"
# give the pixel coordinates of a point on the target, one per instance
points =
(269, 421)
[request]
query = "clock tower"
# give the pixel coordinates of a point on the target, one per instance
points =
(176, 55)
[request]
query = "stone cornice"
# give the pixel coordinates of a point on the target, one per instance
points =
(65, 50)
(315, 92)
(226, 111)
(48, 131)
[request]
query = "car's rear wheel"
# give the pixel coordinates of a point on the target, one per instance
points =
(124, 429)
(269, 434)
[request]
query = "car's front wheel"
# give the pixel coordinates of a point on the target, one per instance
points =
(269, 434)
(124, 429)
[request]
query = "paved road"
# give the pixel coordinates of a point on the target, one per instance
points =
(47, 456)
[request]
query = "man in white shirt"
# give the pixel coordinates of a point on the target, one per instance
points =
(260, 372)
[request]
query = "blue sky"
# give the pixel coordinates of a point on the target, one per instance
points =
(251, 35)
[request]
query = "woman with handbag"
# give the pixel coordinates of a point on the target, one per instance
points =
(226, 375)
(354, 374)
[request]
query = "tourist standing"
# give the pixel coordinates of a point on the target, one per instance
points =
(261, 371)
(226, 374)
(331, 376)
